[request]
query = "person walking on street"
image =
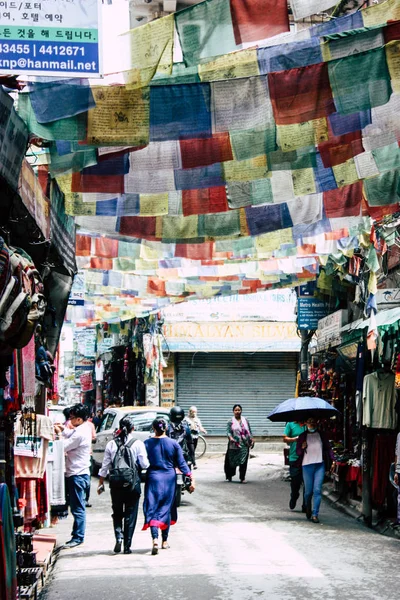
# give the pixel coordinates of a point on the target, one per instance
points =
(179, 431)
(290, 437)
(195, 426)
(240, 441)
(165, 455)
(77, 446)
(312, 447)
(124, 500)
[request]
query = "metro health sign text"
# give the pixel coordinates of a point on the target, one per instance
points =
(50, 37)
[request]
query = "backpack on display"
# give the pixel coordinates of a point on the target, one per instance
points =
(123, 473)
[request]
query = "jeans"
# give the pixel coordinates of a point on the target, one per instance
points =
(296, 479)
(125, 504)
(77, 487)
(164, 532)
(313, 476)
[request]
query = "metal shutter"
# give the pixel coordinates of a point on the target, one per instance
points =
(215, 381)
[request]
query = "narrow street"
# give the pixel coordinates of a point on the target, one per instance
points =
(231, 542)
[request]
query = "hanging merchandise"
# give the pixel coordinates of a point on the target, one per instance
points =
(379, 400)
(8, 582)
(99, 370)
(86, 380)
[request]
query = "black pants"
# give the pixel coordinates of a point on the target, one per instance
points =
(296, 480)
(195, 442)
(125, 504)
(231, 471)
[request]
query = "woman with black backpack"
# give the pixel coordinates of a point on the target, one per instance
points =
(122, 457)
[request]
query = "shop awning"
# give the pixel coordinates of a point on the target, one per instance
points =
(384, 318)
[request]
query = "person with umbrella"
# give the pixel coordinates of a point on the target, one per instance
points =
(312, 448)
(290, 436)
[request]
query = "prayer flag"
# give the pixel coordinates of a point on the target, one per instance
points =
(258, 19)
(301, 94)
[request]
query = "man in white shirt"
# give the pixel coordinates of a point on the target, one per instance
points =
(125, 501)
(77, 447)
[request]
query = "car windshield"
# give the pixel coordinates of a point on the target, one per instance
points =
(143, 421)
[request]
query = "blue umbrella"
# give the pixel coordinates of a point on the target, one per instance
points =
(301, 409)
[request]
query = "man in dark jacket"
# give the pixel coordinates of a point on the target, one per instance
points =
(180, 432)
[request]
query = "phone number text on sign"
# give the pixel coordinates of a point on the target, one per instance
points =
(36, 56)
(56, 50)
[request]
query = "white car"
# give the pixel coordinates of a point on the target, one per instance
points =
(143, 417)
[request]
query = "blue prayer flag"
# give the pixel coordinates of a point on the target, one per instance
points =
(180, 112)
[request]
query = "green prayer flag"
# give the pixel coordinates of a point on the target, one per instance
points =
(383, 189)
(205, 30)
(72, 128)
(360, 82)
(387, 157)
(220, 224)
(253, 142)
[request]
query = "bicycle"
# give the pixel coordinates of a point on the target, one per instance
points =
(201, 447)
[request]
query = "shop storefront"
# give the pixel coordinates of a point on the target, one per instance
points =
(216, 365)
(359, 373)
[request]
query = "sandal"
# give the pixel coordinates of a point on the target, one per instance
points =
(165, 545)
(243, 481)
(154, 550)
(315, 519)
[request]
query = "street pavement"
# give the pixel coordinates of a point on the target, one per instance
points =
(232, 541)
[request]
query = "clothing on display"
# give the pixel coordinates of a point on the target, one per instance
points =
(31, 467)
(99, 370)
(379, 400)
(8, 580)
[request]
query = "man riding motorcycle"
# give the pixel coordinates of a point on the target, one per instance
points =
(181, 433)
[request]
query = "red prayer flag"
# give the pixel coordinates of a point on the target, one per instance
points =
(340, 148)
(82, 245)
(105, 264)
(203, 201)
(255, 20)
(207, 151)
(106, 184)
(195, 251)
(140, 227)
(301, 94)
(345, 201)
(106, 247)
(392, 31)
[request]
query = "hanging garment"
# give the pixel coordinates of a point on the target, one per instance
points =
(379, 400)
(8, 567)
(29, 466)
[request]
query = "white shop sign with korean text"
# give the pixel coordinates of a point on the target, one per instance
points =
(50, 37)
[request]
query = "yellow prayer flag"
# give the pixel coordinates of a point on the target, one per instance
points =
(303, 182)
(268, 242)
(379, 14)
(153, 205)
(121, 116)
(230, 66)
(151, 50)
(393, 62)
(301, 135)
(345, 173)
(246, 170)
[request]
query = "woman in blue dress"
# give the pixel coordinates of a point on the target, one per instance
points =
(165, 455)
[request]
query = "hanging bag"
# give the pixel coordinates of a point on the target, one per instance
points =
(123, 473)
